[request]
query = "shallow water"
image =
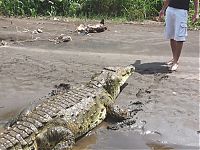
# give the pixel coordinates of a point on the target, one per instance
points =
(119, 141)
(103, 139)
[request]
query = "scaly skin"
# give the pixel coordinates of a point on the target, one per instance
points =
(60, 119)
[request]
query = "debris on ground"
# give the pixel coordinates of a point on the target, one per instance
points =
(85, 29)
(3, 43)
(37, 31)
(61, 38)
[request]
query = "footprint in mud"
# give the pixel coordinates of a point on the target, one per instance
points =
(135, 107)
(159, 77)
(142, 92)
(139, 127)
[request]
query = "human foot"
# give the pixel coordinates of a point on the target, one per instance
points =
(174, 67)
(170, 62)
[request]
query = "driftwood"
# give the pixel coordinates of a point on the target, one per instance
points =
(100, 27)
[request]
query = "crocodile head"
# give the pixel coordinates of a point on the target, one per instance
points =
(113, 78)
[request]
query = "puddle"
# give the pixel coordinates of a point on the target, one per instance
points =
(103, 139)
(159, 147)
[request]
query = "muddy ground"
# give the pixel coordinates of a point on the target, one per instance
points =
(31, 64)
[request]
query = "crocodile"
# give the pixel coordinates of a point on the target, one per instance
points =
(59, 120)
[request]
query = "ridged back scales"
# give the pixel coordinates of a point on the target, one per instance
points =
(27, 126)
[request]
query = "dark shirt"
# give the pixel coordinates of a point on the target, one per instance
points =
(180, 4)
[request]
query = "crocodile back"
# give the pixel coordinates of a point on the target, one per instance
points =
(78, 110)
(23, 133)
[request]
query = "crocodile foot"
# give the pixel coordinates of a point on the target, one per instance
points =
(125, 123)
(56, 138)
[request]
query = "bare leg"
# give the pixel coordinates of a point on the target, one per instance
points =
(173, 47)
(176, 50)
(177, 53)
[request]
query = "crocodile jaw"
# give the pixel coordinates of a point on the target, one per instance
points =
(116, 77)
(125, 73)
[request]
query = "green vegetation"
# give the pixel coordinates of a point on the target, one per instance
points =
(129, 9)
(126, 9)
(196, 25)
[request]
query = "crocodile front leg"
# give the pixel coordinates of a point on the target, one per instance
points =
(56, 138)
(117, 113)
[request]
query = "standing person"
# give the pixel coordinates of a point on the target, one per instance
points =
(176, 25)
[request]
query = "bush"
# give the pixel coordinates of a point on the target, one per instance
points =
(128, 9)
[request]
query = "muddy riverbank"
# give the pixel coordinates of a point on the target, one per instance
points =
(31, 64)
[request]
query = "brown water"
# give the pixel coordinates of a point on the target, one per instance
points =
(123, 139)
(116, 140)
(101, 138)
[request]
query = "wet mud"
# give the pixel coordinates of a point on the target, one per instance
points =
(163, 105)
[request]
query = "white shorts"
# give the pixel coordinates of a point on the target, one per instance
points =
(176, 24)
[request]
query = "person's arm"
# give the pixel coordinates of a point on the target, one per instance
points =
(162, 11)
(196, 11)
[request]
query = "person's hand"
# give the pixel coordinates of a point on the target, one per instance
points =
(195, 17)
(161, 14)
